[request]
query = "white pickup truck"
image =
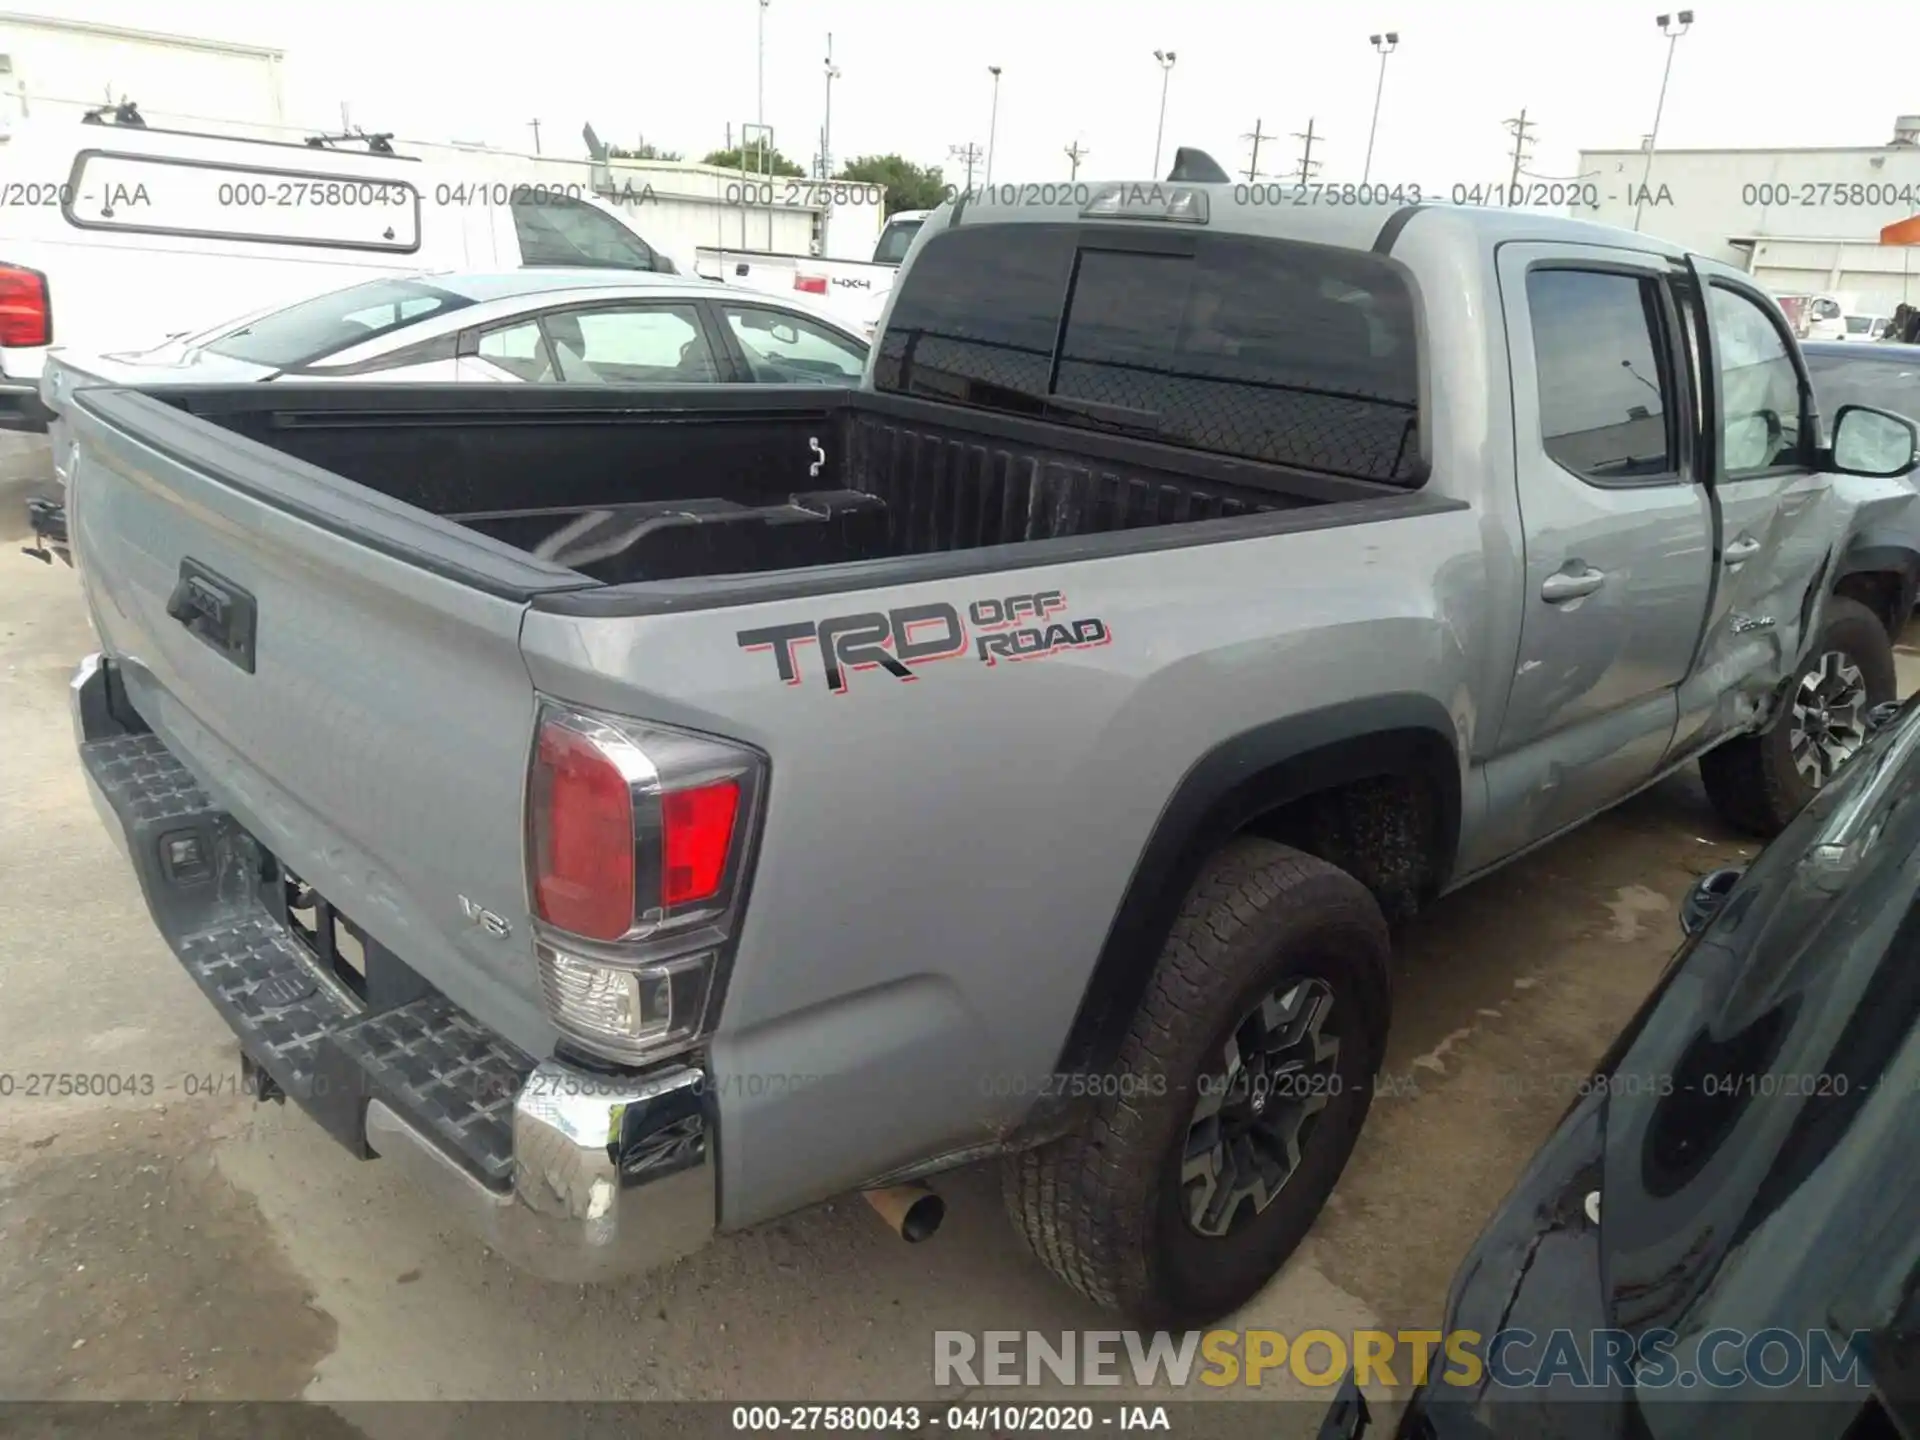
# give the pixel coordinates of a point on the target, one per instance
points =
(856, 289)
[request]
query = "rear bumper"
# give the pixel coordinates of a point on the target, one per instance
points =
(21, 407)
(574, 1174)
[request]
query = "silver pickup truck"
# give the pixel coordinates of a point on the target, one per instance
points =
(641, 814)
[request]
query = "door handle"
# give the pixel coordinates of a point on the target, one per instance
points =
(1559, 588)
(1745, 548)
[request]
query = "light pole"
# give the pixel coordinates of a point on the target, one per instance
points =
(826, 128)
(1673, 33)
(760, 74)
(1166, 59)
(1385, 44)
(993, 121)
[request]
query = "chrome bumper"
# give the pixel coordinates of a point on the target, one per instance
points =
(606, 1180)
(609, 1175)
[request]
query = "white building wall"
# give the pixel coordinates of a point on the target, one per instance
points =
(1801, 220)
(58, 68)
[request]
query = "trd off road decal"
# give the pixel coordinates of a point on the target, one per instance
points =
(1014, 627)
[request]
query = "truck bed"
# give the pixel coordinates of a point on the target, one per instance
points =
(640, 485)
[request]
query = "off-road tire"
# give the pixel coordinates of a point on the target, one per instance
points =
(1101, 1207)
(1752, 781)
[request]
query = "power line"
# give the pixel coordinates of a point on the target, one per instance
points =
(1076, 152)
(1253, 165)
(1519, 125)
(1307, 163)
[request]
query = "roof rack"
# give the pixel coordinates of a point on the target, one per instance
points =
(377, 144)
(125, 113)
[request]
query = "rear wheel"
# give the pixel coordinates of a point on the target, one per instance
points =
(1247, 1074)
(1760, 782)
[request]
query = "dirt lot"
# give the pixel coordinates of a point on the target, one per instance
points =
(186, 1243)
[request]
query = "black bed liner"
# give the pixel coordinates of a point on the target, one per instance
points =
(683, 484)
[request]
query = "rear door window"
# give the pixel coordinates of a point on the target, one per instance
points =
(637, 345)
(172, 195)
(1299, 355)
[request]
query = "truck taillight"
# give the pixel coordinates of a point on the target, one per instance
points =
(697, 827)
(26, 314)
(810, 284)
(637, 841)
(582, 836)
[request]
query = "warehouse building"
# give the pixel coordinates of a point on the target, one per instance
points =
(1802, 221)
(52, 68)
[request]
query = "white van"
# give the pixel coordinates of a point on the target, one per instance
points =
(116, 234)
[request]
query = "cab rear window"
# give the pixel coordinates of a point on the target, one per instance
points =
(1293, 354)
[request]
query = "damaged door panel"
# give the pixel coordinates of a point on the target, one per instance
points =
(1775, 516)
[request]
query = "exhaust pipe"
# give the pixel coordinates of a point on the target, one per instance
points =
(913, 1212)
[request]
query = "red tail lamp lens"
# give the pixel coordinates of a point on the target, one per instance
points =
(698, 826)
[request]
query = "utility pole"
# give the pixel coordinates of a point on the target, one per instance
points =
(1307, 163)
(1253, 165)
(826, 128)
(1075, 154)
(1385, 44)
(968, 155)
(1673, 38)
(993, 121)
(760, 80)
(535, 125)
(1519, 125)
(1165, 58)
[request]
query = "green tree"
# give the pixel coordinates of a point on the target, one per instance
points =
(756, 161)
(642, 151)
(908, 186)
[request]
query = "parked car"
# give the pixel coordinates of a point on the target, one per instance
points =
(854, 288)
(114, 231)
(739, 796)
(1825, 319)
(567, 327)
(1886, 377)
(1861, 329)
(1740, 1163)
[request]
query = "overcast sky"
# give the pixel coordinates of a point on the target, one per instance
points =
(914, 75)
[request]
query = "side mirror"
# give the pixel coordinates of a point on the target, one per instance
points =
(1875, 443)
(1705, 898)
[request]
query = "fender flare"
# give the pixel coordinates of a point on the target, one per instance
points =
(1885, 550)
(1243, 777)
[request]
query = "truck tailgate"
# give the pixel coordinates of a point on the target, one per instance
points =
(339, 671)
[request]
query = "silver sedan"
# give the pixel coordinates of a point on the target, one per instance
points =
(571, 327)
(560, 326)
